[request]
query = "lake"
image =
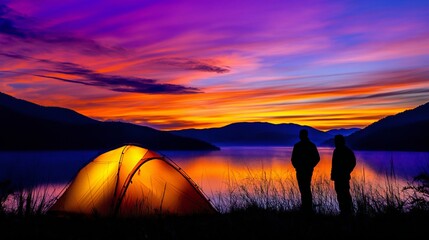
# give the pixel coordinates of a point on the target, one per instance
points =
(213, 171)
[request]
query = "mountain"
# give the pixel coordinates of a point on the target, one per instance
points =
(342, 131)
(254, 134)
(28, 126)
(55, 114)
(405, 131)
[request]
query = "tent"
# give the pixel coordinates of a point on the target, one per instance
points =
(132, 181)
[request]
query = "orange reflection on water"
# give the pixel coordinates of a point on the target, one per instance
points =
(217, 173)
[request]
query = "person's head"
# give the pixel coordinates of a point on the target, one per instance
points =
(339, 140)
(303, 134)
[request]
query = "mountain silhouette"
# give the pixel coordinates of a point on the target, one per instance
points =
(342, 131)
(405, 131)
(254, 134)
(55, 114)
(28, 126)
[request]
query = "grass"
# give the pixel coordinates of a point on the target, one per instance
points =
(260, 206)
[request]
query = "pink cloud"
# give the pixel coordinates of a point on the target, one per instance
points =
(271, 61)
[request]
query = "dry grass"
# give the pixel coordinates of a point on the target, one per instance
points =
(267, 191)
(260, 206)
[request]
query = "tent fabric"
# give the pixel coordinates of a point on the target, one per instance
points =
(132, 181)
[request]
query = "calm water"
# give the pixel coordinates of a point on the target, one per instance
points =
(212, 171)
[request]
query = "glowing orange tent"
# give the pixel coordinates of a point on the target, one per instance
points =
(132, 181)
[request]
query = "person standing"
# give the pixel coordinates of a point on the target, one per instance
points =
(343, 163)
(305, 157)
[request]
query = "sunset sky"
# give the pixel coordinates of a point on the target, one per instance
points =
(198, 64)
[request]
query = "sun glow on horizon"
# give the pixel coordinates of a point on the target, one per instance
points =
(174, 65)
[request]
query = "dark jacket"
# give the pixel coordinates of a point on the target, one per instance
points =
(305, 156)
(343, 163)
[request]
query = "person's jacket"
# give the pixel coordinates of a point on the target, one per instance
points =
(305, 156)
(343, 163)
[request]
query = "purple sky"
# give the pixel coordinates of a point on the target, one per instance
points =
(183, 64)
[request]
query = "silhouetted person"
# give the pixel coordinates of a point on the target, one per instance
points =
(343, 163)
(305, 157)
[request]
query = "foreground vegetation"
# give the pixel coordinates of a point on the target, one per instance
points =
(249, 224)
(259, 207)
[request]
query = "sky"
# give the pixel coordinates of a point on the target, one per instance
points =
(201, 64)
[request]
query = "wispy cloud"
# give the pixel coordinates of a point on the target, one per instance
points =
(194, 65)
(78, 74)
(21, 31)
(124, 84)
(338, 63)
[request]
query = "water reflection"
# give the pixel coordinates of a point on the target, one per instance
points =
(214, 171)
(29, 168)
(211, 170)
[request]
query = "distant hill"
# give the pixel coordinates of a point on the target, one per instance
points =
(28, 126)
(55, 114)
(342, 131)
(254, 134)
(405, 131)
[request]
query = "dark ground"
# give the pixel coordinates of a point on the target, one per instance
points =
(238, 225)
